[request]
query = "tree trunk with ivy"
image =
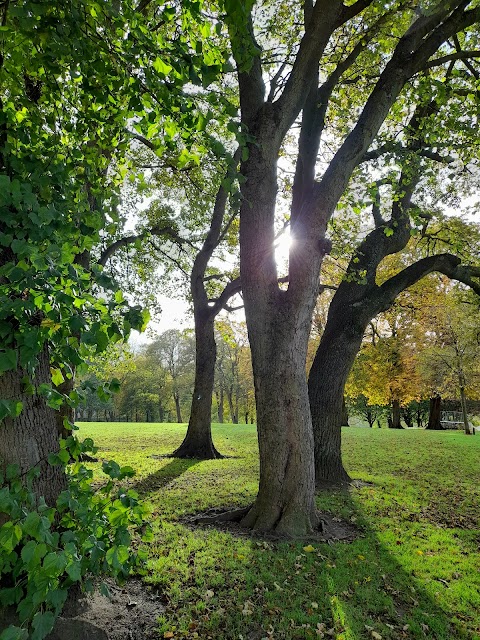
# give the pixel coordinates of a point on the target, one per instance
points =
(28, 439)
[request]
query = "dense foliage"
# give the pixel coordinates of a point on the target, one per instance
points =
(44, 550)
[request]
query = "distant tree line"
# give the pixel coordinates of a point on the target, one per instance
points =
(157, 381)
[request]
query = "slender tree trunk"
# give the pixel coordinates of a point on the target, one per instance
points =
(408, 417)
(178, 410)
(344, 414)
(230, 404)
(326, 385)
(463, 402)
(198, 442)
(220, 401)
(370, 419)
(28, 440)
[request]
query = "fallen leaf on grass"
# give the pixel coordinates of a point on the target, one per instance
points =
(247, 608)
(168, 634)
(309, 549)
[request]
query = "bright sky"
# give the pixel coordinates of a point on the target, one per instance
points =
(176, 314)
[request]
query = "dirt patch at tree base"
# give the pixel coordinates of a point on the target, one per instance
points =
(130, 613)
(330, 528)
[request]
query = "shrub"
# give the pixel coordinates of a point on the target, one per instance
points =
(44, 551)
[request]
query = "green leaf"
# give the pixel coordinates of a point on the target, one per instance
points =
(36, 526)
(8, 360)
(54, 564)
(74, 570)
(161, 66)
(10, 536)
(14, 633)
(10, 408)
(42, 624)
(57, 598)
(57, 377)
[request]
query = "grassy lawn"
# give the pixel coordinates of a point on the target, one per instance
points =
(414, 572)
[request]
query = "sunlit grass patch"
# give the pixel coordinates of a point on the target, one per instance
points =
(413, 574)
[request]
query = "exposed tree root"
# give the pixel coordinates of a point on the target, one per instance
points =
(188, 451)
(328, 529)
(236, 515)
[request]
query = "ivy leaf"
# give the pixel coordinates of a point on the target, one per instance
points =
(8, 360)
(10, 536)
(14, 633)
(57, 377)
(10, 408)
(42, 624)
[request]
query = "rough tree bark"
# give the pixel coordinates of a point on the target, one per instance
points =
(285, 501)
(28, 440)
(198, 442)
(336, 353)
(278, 321)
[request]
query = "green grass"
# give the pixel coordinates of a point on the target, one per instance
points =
(414, 572)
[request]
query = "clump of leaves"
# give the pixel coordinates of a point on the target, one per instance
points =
(46, 550)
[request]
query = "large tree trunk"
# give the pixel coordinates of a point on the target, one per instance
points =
(285, 501)
(278, 325)
(326, 385)
(396, 414)
(198, 442)
(28, 440)
(434, 413)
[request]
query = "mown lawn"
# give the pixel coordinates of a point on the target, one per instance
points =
(413, 573)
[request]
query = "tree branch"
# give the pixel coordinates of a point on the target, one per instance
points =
(460, 55)
(353, 10)
(446, 263)
(127, 240)
(246, 53)
(413, 51)
(325, 17)
(399, 149)
(233, 287)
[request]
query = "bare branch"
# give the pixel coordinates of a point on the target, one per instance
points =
(233, 287)
(128, 240)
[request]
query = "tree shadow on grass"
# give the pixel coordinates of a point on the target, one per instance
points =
(372, 592)
(162, 477)
(348, 591)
